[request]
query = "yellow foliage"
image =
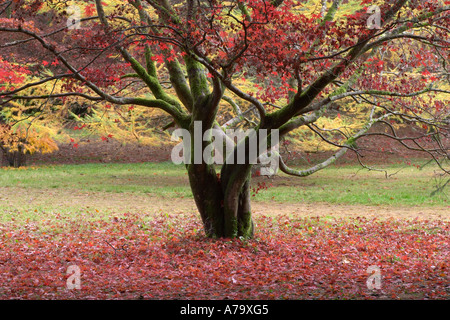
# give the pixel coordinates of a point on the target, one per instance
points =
(30, 140)
(329, 124)
(30, 126)
(126, 124)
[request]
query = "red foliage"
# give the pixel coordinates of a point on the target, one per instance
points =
(11, 74)
(167, 257)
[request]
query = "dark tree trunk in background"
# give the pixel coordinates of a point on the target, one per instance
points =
(16, 158)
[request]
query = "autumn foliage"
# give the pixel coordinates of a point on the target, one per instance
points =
(167, 257)
(18, 135)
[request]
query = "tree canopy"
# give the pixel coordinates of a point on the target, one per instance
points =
(331, 68)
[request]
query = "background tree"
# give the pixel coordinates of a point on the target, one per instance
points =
(26, 126)
(301, 59)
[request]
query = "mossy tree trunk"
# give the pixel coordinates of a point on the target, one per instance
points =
(222, 201)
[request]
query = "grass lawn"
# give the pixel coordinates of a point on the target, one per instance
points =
(407, 186)
(100, 190)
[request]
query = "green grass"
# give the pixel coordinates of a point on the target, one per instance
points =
(158, 179)
(351, 185)
(344, 185)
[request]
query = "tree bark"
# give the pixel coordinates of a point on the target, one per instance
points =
(208, 197)
(237, 209)
(223, 204)
(16, 158)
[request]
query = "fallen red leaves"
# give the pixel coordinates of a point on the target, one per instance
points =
(167, 257)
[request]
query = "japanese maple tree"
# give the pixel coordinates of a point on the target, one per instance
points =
(290, 63)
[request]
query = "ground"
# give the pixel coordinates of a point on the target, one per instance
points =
(135, 234)
(129, 202)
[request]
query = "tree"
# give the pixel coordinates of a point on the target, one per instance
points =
(25, 128)
(291, 63)
(20, 133)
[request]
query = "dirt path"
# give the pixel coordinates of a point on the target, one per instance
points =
(128, 202)
(341, 211)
